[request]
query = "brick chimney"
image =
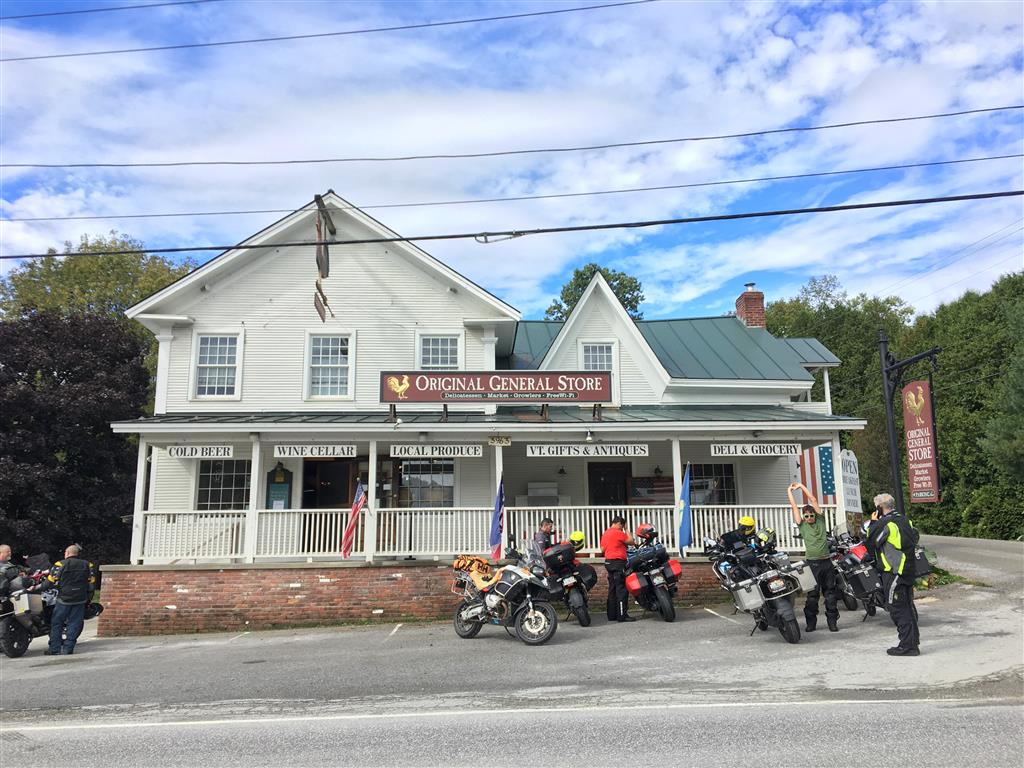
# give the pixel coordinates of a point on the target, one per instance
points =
(750, 307)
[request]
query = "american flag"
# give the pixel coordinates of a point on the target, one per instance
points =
(817, 472)
(349, 537)
(497, 522)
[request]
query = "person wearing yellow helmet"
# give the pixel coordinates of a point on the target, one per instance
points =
(743, 534)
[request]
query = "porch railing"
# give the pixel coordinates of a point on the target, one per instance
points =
(299, 534)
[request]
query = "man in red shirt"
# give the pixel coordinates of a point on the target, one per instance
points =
(614, 542)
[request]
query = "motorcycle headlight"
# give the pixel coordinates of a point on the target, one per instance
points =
(777, 585)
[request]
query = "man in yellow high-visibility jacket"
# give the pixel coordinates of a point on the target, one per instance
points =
(891, 538)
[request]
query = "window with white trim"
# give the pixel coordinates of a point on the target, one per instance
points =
(329, 366)
(712, 484)
(216, 366)
(598, 357)
(224, 484)
(439, 353)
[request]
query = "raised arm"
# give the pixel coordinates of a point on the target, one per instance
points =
(794, 508)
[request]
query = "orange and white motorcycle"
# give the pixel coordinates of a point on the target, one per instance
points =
(517, 597)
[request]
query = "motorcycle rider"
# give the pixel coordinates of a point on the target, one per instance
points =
(811, 523)
(891, 539)
(75, 580)
(743, 534)
(613, 543)
(545, 537)
(8, 570)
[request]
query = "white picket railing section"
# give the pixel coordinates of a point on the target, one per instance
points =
(299, 534)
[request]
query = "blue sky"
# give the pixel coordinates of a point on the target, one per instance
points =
(653, 71)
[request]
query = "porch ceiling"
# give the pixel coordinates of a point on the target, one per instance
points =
(650, 415)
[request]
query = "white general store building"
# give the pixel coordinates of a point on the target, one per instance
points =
(266, 418)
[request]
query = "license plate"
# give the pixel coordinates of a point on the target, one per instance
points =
(658, 579)
(569, 581)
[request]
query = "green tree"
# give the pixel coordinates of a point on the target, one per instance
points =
(1004, 432)
(626, 287)
(74, 281)
(64, 475)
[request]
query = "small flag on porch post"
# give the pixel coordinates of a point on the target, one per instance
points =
(685, 524)
(348, 538)
(498, 521)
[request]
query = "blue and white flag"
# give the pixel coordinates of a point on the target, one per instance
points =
(685, 523)
(498, 521)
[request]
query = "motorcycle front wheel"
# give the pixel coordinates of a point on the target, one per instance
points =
(537, 626)
(463, 628)
(14, 638)
(791, 631)
(665, 606)
(582, 615)
(787, 623)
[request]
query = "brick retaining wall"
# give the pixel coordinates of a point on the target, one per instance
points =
(149, 600)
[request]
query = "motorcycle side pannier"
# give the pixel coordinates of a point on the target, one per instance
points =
(749, 598)
(633, 584)
(803, 574)
(863, 580)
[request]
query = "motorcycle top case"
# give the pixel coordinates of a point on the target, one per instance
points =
(559, 556)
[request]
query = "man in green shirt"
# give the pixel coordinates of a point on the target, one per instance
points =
(812, 528)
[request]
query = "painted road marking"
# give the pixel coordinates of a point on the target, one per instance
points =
(721, 616)
(503, 713)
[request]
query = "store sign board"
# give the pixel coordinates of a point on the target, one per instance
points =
(851, 481)
(598, 450)
(919, 426)
(201, 451)
(333, 451)
(435, 451)
(755, 449)
(495, 387)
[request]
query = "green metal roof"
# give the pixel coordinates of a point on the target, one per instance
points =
(698, 348)
(812, 353)
(639, 414)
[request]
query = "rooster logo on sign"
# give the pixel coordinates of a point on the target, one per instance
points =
(916, 405)
(398, 387)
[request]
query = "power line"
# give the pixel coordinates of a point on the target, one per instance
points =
(492, 237)
(104, 10)
(508, 152)
(534, 197)
(1017, 255)
(935, 267)
(398, 28)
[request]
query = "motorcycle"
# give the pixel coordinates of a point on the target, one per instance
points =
(26, 607)
(762, 581)
(517, 597)
(856, 576)
(576, 579)
(651, 577)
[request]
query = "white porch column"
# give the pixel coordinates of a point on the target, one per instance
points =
(499, 468)
(837, 471)
(677, 482)
(163, 366)
(828, 395)
(252, 516)
(370, 518)
(141, 472)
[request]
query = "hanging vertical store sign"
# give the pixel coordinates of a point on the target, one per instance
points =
(851, 488)
(922, 457)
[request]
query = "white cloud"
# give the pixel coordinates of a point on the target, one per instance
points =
(643, 72)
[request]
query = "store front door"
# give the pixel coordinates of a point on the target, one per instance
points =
(608, 483)
(328, 483)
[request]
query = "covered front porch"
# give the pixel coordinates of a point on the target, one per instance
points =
(280, 487)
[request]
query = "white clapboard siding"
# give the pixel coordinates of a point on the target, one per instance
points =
(381, 297)
(175, 480)
(598, 321)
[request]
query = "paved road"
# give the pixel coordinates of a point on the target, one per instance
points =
(998, 563)
(962, 733)
(407, 694)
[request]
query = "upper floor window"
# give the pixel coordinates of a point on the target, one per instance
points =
(329, 366)
(598, 357)
(217, 366)
(439, 353)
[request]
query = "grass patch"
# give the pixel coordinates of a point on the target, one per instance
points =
(939, 577)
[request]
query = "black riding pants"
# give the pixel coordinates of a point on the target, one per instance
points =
(618, 597)
(904, 614)
(825, 575)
